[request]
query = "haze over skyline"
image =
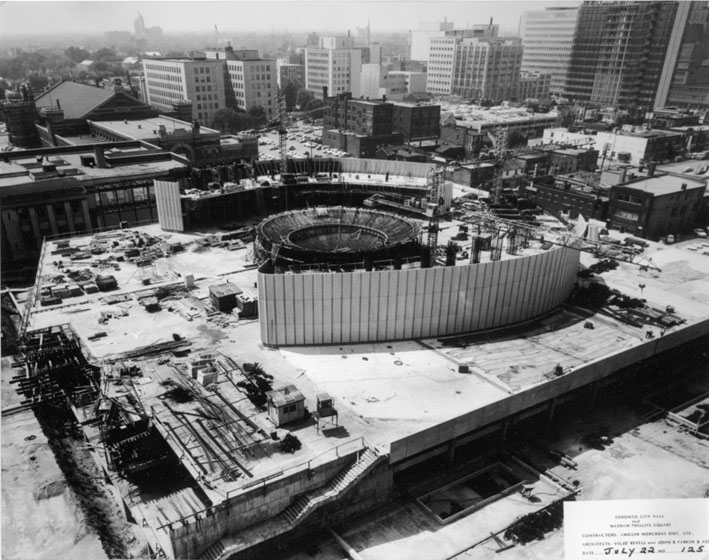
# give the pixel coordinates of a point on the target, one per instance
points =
(41, 18)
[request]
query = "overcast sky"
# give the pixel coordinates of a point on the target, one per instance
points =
(21, 17)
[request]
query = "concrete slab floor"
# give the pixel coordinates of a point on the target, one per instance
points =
(647, 460)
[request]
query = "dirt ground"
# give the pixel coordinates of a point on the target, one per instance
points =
(41, 516)
(53, 512)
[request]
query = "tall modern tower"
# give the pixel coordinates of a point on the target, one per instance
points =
(685, 77)
(139, 26)
(547, 36)
(618, 52)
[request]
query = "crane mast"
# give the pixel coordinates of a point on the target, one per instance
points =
(434, 189)
(282, 134)
(500, 148)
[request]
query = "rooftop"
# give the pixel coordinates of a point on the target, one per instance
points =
(23, 171)
(469, 115)
(667, 184)
(697, 168)
(77, 100)
(149, 129)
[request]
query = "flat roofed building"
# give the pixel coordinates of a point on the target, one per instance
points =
(196, 143)
(475, 68)
(255, 84)
(168, 81)
(419, 39)
(637, 145)
(416, 121)
(335, 64)
(77, 189)
(534, 85)
(656, 206)
(547, 36)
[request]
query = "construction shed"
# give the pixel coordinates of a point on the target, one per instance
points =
(223, 296)
(106, 282)
(247, 304)
(285, 405)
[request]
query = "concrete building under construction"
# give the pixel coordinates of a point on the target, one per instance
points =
(376, 355)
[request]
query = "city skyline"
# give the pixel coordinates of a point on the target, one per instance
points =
(29, 17)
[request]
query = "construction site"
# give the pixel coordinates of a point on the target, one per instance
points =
(372, 338)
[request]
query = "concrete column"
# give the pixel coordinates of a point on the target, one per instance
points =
(503, 432)
(87, 217)
(550, 412)
(451, 453)
(594, 396)
(35, 228)
(52, 219)
(12, 231)
(69, 216)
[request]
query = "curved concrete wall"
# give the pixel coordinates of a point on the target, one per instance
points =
(352, 307)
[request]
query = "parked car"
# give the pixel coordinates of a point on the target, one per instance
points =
(699, 232)
(670, 239)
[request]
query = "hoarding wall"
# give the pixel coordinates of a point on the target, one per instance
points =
(352, 307)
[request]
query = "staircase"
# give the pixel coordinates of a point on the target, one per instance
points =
(296, 512)
(213, 552)
(308, 502)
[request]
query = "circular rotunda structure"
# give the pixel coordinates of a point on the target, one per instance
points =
(334, 236)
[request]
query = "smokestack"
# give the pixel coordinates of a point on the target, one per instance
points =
(490, 21)
(59, 106)
(100, 159)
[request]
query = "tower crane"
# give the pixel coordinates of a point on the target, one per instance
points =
(434, 181)
(282, 133)
(500, 149)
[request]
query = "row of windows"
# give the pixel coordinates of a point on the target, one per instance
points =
(163, 68)
(157, 85)
(164, 77)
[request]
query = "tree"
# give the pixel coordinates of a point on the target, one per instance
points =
(105, 54)
(256, 116)
(303, 98)
(256, 111)
(228, 120)
(290, 91)
(77, 54)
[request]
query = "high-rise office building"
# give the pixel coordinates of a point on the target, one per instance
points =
(547, 36)
(250, 81)
(419, 39)
(484, 68)
(618, 52)
(169, 81)
(335, 64)
(255, 84)
(139, 26)
(685, 77)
